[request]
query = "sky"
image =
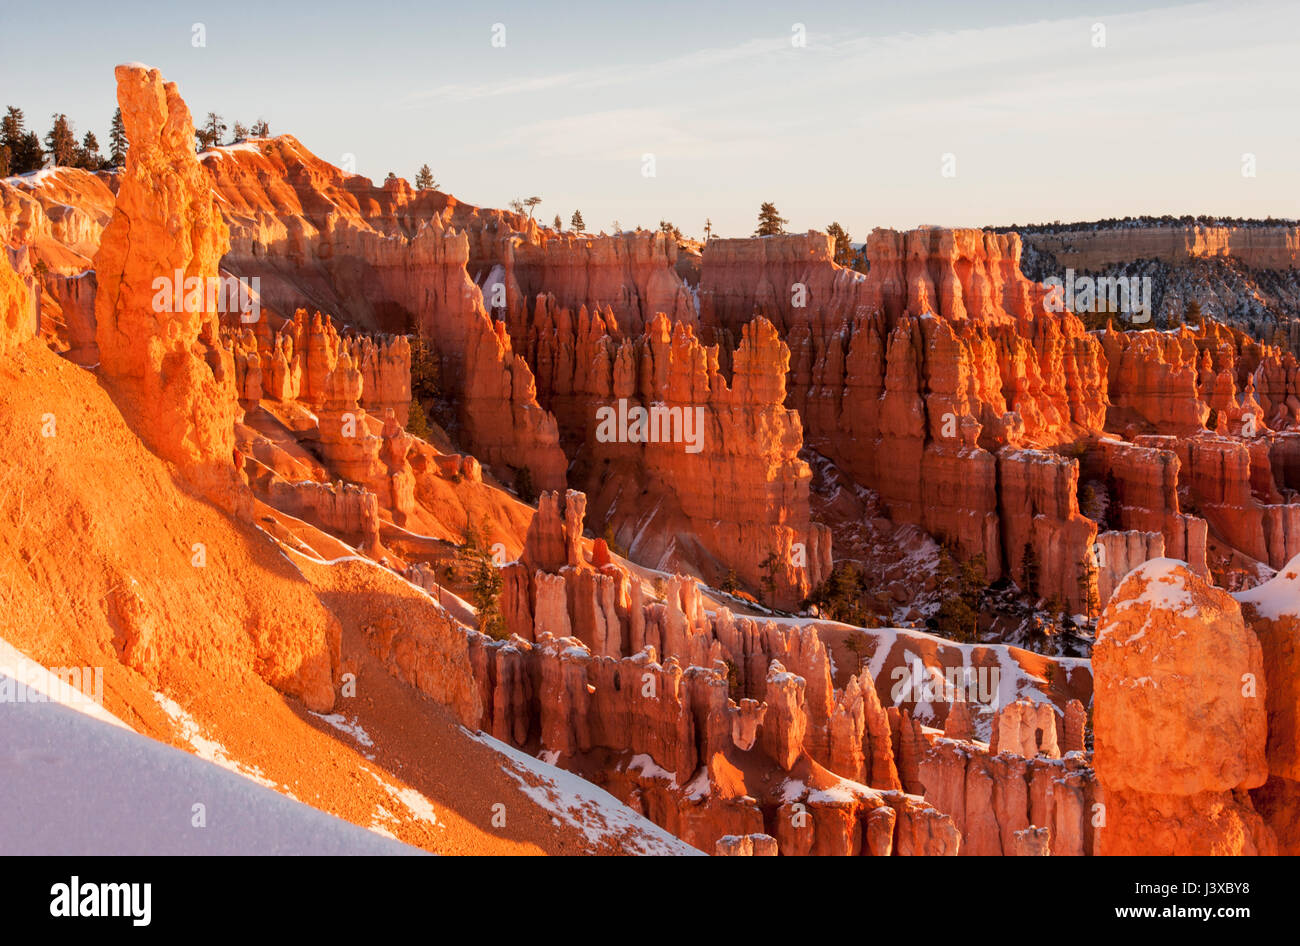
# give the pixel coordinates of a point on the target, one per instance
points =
(894, 115)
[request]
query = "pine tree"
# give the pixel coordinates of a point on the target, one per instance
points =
(843, 251)
(1088, 588)
(424, 179)
(29, 157)
(667, 226)
(708, 229)
(391, 178)
(557, 224)
(1029, 569)
(5, 159)
(61, 142)
(260, 129)
(424, 370)
(485, 582)
(531, 203)
(770, 223)
(769, 567)
(417, 422)
(88, 155)
(117, 140)
(577, 223)
(210, 135)
(16, 142)
(11, 127)
(240, 133)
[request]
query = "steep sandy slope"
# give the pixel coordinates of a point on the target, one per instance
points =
(98, 568)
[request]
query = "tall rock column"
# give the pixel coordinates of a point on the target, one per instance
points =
(158, 341)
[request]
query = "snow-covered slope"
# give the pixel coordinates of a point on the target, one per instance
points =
(74, 779)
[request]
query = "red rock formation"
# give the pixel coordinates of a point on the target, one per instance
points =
(630, 273)
(388, 259)
(18, 316)
(994, 798)
(728, 698)
(725, 486)
(175, 379)
(1180, 723)
(1272, 610)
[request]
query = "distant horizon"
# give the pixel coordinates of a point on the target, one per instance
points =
(1000, 117)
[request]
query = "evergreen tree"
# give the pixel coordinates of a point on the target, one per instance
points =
(577, 223)
(61, 142)
(117, 140)
(1088, 588)
(391, 178)
(557, 224)
(843, 252)
(1192, 315)
(29, 157)
(962, 587)
(22, 148)
(210, 135)
(5, 160)
(11, 127)
(531, 203)
(88, 155)
(240, 133)
(769, 567)
(730, 584)
(417, 422)
(424, 370)
(424, 179)
(485, 582)
(1029, 569)
(260, 129)
(708, 229)
(770, 223)
(666, 226)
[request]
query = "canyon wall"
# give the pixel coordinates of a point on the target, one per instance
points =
(1258, 247)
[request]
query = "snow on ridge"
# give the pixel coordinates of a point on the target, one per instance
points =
(1278, 596)
(573, 800)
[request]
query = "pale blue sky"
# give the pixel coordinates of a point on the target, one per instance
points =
(1043, 125)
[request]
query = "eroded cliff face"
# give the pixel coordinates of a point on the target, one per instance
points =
(925, 378)
(721, 485)
(1275, 248)
(709, 724)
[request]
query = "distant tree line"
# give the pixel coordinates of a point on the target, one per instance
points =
(23, 149)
